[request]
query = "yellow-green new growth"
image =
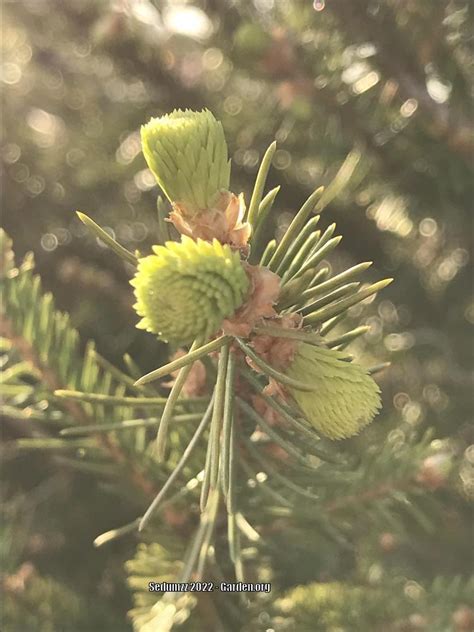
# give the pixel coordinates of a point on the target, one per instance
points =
(345, 397)
(186, 289)
(187, 153)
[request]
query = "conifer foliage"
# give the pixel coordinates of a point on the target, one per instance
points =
(256, 413)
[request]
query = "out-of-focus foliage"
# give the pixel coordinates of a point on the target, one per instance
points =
(391, 79)
(32, 602)
(332, 606)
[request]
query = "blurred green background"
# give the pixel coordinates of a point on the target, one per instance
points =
(389, 79)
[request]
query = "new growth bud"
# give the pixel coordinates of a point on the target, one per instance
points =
(345, 397)
(185, 290)
(187, 153)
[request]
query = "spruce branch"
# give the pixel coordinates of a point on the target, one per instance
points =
(274, 317)
(52, 381)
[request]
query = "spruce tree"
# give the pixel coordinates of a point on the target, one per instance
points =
(256, 475)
